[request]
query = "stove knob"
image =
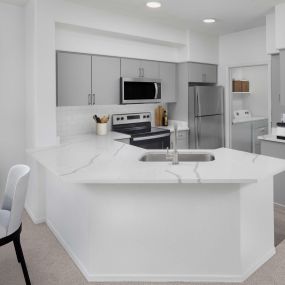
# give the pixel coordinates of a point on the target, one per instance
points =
(147, 116)
(118, 119)
(122, 118)
(144, 117)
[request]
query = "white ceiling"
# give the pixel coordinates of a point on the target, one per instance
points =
(231, 15)
(15, 2)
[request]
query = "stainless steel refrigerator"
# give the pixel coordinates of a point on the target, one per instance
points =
(206, 117)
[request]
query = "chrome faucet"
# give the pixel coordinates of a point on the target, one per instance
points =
(174, 155)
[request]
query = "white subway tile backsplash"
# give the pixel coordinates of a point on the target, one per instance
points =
(79, 120)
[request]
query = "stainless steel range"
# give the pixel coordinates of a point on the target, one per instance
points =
(138, 126)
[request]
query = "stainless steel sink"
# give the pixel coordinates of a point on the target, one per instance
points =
(182, 156)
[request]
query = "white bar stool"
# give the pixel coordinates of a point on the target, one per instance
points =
(11, 210)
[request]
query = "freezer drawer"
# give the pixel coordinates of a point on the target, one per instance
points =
(209, 132)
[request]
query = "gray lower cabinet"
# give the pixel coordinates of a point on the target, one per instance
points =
(276, 149)
(259, 128)
(202, 73)
(105, 80)
(242, 136)
(245, 135)
(73, 79)
(182, 140)
(168, 82)
(139, 68)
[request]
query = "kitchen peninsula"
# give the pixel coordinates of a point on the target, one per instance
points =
(122, 219)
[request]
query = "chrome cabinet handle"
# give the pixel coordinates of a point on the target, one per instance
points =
(89, 99)
(93, 99)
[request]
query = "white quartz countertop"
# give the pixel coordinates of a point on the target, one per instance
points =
(101, 159)
(181, 126)
(272, 138)
(250, 119)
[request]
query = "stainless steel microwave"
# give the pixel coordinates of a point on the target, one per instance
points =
(140, 90)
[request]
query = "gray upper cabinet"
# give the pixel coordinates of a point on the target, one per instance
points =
(130, 67)
(105, 80)
(282, 75)
(202, 73)
(276, 108)
(168, 82)
(73, 79)
(84, 79)
(139, 68)
(150, 69)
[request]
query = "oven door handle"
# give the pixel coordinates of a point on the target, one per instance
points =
(150, 137)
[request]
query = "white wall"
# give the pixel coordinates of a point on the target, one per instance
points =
(257, 100)
(84, 40)
(203, 48)
(271, 34)
(246, 47)
(279, 26)
(12, 88)
(239, 49)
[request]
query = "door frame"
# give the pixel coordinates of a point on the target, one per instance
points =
(228, 96)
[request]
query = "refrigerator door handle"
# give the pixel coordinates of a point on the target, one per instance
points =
(197, 133)
(197, 104)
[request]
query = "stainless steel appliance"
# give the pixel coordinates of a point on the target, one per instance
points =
(138, 126)
(206, 117)
(140, 90)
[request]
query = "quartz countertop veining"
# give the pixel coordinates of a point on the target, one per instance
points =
(101, 159)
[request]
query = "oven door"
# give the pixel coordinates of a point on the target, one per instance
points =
(140, 90)
(161, 141)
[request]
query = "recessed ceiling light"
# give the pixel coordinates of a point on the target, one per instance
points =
(209, 21)
(153, 4)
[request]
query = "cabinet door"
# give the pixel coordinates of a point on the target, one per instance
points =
(105, 80)
(73, 79)
(168, 82)
(130, 67)
(202, 73)
(282, 75)
(182, 140)
(150, 69)
(275, 89)
(242, 136)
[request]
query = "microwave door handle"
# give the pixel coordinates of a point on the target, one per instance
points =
(156, 90)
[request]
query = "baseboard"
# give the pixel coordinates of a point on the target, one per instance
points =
(73, 256)
(166, 278)
(258, 264)
(35, 219)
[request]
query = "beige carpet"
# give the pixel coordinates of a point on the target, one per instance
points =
(49, 264)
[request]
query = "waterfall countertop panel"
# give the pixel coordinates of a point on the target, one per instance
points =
(102, 159)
